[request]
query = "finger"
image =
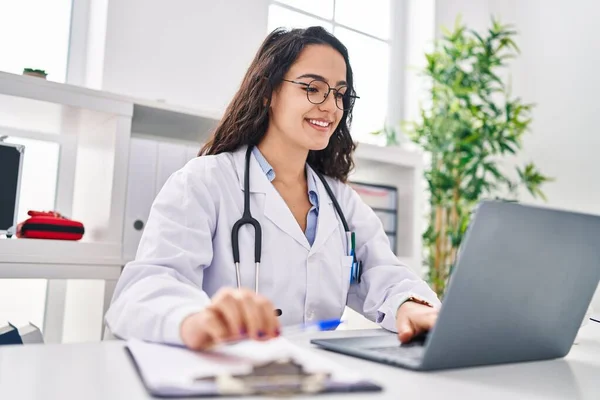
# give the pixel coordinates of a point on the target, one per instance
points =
(424, 322)
(202, 333)
(405, 330)
(228, 311)
(215, 327)
(201, 341)
(420, 323)
(270, 321)
(250, 314)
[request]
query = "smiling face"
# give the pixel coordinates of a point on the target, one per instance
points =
(293, 118)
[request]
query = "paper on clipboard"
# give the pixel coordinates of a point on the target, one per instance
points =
(175, 371)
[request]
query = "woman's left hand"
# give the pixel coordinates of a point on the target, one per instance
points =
(413, 318)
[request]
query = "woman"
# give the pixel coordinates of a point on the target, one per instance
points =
(286, 127)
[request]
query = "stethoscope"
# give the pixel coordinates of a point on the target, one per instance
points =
(248, 219)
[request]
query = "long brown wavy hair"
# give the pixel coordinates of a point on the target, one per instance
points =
(246, 119)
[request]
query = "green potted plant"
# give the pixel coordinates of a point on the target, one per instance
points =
(469, 125)
(38, 73)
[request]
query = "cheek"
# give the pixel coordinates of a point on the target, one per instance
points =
(288, 109)
(338, 118)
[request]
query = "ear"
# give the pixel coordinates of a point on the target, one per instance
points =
(269, 103)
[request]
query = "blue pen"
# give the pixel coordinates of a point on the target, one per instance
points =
(317, 326)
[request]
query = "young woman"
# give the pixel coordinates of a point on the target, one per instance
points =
(307, 245)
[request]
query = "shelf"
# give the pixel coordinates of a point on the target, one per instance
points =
(389, 155)
(60, 93)
(43, 251)
(153, 118)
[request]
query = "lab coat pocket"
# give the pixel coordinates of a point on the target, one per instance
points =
(346, 263)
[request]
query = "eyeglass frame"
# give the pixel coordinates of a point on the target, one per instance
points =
(352, 96)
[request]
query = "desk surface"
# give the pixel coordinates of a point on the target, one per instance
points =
(103, 371)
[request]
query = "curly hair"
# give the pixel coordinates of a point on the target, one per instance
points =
(246, 119)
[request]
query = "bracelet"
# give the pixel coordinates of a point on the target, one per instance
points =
(419, 301)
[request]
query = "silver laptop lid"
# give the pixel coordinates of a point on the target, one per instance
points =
(520, 289)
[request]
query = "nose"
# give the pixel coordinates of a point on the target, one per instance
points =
(329, 103)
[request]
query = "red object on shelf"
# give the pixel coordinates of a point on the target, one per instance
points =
(49, 225)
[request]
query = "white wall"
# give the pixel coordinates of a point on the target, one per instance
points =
(557, 71)
(186, 52)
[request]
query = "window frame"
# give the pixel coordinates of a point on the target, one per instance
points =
(332, 21)
(399, 11)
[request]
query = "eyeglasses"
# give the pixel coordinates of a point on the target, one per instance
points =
(317, 92)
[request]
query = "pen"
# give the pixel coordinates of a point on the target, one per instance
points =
(324, 325)
(595, 320)
(317, 326)
(348, 243)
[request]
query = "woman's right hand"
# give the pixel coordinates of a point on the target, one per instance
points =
(233, 314)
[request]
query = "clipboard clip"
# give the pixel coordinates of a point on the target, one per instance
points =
(277, 378)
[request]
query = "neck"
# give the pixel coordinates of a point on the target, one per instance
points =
(287, 161)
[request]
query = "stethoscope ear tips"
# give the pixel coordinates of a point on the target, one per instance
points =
(278, 312)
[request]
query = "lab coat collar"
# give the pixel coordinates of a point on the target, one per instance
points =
(259, 183)
(275, 208)
(327, 220)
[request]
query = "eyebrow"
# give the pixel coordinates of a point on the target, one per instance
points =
(320, 78)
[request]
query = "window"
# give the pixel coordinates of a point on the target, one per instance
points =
(364, 28)
(35, 34)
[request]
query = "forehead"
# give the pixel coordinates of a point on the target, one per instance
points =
(321, 60)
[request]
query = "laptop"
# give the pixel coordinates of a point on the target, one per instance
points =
(11, 166)
(521, 286)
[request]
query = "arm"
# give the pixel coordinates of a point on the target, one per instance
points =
(164, 283)
(386, 283)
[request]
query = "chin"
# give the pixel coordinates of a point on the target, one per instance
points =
(317, 145)
(322, 147)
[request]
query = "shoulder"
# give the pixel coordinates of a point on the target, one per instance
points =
(206, 172)
(203, 165)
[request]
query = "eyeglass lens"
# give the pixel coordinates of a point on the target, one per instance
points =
(317, 92)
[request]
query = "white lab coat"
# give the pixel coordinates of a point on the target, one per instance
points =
(185, 255)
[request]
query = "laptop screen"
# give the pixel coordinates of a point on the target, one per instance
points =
(10, 170)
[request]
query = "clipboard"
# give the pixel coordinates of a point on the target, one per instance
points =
(172, 371)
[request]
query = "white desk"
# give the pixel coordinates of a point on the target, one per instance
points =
(103, 371)
(57, 261)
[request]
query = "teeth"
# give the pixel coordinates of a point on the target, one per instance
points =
(320, 123)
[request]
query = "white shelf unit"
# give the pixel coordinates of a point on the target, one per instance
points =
(93, 131)
(116, 152)
(401, 169)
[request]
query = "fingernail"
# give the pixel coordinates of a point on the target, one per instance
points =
(261, 334)
(242, 332)
(277, 332)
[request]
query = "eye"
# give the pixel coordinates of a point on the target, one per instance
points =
(339, 95)
(311, 89)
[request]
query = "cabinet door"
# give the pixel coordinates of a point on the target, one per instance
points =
(141, 190)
